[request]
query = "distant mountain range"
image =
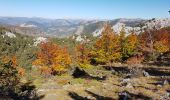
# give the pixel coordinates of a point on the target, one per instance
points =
(69, 27)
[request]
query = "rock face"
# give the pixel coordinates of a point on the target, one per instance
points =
(9, 34)
(158, 23)
(118, 27)
(39, 40)
(149, 24)
(97, 32)
(79, 38)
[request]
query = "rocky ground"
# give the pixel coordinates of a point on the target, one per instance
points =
(145, 83)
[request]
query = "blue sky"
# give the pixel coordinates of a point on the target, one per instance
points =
(86, 9)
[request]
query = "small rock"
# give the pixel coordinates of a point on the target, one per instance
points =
(165, 82)
(65, 87)
(128, 76)
(123, 96)
(89, 97)
(129, 85)
(146, 74)
(166, 96)
(163, 77)
(104, 84)
(126, 80)
(113, 71)
(159, 85)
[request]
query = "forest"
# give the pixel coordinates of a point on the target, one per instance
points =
(109, 67)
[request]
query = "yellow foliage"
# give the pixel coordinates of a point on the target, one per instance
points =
(82, 55)
(107, 48)
(129, 45)
(5, 59)
(59, 68)
(84, 66)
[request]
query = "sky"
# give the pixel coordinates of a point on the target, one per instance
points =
(86, 9)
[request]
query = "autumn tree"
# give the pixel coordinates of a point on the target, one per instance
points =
(52, 59)
(107, 47)
(13, 62)
(146, 41)
(122, 36)
(122, 42)
(11, 88)
(9, 74)
(162, 41)
(154, 42)
(82, 55)
(129, 47)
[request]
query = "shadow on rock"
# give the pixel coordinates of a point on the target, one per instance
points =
(98, 97)
(125, 95)
(75, 96)
(78, 73)
(122, 69)
(157, 72)
(93, 96)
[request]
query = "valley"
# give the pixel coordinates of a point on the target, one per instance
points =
(84, 50)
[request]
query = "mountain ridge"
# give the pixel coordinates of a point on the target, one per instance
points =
(68, 27)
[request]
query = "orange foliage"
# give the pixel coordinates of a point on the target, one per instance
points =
(13, 61)
(45, 70)
(162, 41)
(21, 71)
(55, 58)
(155, 40)
(82, 53)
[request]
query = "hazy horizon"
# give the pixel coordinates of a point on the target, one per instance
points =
(76, 18)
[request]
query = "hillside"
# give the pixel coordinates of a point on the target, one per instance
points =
(109, 67)
(69, 27)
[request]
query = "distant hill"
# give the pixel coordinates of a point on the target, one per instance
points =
(68, 27)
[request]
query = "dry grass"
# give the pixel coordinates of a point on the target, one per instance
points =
(107, 88)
